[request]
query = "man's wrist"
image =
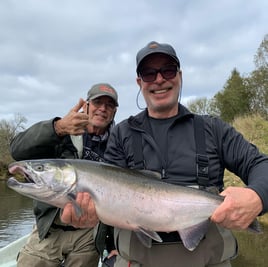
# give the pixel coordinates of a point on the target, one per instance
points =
(59, 130)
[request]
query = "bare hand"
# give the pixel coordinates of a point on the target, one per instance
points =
(239, 208)
(113, 252)
(89, 216)
(74, 122)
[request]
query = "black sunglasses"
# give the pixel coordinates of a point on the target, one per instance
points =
(150, 74)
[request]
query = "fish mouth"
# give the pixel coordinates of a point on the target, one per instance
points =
(21, 178)
(21, 171)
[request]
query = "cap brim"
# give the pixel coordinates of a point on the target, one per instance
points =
(104, 94)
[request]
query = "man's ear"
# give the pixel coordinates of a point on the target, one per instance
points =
(114, 114)
(138, 79)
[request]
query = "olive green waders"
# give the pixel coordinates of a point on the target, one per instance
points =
(77, 245)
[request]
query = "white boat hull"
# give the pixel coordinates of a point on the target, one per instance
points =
(8, 254)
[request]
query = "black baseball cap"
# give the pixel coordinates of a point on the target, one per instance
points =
(155, 47)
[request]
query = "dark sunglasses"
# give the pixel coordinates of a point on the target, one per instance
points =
(150, 74)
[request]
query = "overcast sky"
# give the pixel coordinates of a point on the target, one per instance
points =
(52, 51)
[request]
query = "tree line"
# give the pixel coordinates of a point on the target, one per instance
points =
(240, 95)
(8, 130)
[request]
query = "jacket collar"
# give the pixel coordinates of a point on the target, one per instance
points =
(141, 119)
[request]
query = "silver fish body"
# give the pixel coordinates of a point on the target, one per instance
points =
(123, 198)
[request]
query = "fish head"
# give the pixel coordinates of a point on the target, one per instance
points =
(50, 181)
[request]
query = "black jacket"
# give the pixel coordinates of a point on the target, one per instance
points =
(225, 147)
(41, 141)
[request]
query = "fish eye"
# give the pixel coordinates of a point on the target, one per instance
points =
(39, 167)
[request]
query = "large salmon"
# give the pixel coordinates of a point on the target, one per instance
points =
(124, 198)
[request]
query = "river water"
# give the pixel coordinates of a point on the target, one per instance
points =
(16, 220)
(16, 215)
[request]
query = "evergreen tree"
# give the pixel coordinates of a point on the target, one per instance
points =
(234, 99)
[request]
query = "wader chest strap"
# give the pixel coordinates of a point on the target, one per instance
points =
(137, 150)
(201, 156)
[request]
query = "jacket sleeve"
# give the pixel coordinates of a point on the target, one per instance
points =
(115, 152)
(38, 141)
(245, 160)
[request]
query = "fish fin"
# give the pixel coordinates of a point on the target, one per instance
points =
(145, 240)
(255, 227)
(146, 236)
(77, 208)
(192, 236)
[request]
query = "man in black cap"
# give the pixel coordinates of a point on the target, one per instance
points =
(78, 135)
(186, 149)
